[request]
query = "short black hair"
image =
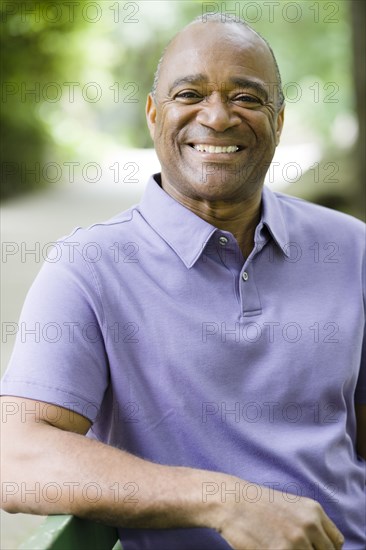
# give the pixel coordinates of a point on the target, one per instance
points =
(224, 18)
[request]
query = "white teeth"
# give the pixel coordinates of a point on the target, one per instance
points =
(214, 149)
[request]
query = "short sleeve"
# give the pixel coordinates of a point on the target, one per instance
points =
(59, 355)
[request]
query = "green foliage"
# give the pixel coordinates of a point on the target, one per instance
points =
(34, 53)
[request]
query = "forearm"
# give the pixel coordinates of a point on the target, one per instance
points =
(61, 472)
(89, 479)
(48, 469)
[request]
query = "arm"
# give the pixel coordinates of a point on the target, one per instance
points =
(55, 452)
(361, 429)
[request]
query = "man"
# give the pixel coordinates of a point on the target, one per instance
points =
(213, 370)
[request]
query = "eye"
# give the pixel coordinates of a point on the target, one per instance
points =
(248, 100)
(188, 96)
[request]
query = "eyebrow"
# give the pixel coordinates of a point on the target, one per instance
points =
(240, 82)
(189, 79)
(249, 83)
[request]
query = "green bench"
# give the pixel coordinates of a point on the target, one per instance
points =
(72, 533)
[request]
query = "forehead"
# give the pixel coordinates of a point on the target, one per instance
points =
(217, 51)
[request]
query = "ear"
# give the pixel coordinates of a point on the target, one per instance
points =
(151, 115)
(280, 121)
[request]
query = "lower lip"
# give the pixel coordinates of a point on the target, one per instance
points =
(218, 157)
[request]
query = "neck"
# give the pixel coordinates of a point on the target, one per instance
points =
(239, 217)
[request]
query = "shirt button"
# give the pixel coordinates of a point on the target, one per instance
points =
(223, 240)
(245, 276)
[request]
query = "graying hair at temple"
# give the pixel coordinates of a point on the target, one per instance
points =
(225, 19)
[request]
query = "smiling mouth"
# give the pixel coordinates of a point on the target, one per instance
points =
(203, 148)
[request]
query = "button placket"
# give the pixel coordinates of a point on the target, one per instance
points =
(230, 254)
(249, 296)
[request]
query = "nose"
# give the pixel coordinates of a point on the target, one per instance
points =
(217, 114)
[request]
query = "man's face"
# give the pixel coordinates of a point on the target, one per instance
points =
(217, 88)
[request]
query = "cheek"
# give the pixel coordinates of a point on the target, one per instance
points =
(262, 123)
(172, 121)
(164, 129)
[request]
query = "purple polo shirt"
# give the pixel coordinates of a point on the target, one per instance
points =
(183, 352)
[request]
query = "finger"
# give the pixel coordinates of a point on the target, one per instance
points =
(321, 541)
(333, 532)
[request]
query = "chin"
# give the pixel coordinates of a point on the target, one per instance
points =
(216, 191)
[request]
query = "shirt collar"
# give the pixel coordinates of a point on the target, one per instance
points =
(188, 234)
(273, 218)
(185, 232)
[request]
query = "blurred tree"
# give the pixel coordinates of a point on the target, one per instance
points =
(359, 47)
(35, 55)
(344, 191)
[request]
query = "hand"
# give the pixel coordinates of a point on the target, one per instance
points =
(273, 523)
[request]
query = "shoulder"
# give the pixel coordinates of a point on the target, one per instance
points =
(85, 249)
(304, 216)
(105, 232)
